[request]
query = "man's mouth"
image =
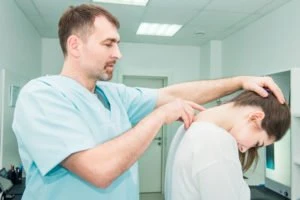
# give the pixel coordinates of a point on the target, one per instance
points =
(111, 64)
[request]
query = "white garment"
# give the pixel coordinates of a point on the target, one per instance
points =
(203, 164)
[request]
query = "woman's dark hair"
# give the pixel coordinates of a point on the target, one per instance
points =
(276, 122)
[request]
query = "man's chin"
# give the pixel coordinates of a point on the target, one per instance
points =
(105, 77)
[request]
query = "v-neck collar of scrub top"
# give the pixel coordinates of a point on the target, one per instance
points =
(102, 97)
(93, 96)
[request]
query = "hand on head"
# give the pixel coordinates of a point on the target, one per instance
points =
(258, 85)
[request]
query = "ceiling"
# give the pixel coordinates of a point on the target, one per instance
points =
(202, 20)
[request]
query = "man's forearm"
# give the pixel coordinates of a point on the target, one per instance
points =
(123, 151)
(200, 91)
(104, 163)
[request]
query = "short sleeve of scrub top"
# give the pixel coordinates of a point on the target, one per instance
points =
(49, 109)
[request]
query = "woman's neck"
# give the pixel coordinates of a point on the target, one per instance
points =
(222, 116)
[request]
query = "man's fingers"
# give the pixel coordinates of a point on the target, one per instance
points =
(270, 84)
(189, 109)
(185, 119)
(196, 106)
(181, 110)
(259, 85)
(260, 90)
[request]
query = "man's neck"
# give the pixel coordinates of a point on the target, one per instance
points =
(78, 75)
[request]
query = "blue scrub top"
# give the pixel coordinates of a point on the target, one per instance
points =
(55, 116)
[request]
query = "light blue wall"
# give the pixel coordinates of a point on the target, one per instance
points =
(20, 43)
(205, 61)
(52, 56)
(269, 45)
(181, 63)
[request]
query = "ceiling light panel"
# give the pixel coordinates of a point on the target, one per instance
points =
(156, 29)
(127, 2)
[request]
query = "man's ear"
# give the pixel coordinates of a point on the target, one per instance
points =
(73, 45)
(257, 116)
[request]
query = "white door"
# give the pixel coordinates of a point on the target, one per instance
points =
(150, 164)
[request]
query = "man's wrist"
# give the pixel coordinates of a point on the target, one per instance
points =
(160, 115)
(239, 81)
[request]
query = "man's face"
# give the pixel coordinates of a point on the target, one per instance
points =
(248, 133)
(100, 51)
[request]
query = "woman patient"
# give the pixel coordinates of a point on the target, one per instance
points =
(206, 162)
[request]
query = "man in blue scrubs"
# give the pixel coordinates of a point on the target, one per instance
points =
(74, 130)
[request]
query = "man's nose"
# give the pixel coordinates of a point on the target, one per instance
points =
(117, 53)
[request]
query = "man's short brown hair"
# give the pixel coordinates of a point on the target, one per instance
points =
(80, 20)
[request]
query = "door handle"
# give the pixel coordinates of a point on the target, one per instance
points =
(158, 138)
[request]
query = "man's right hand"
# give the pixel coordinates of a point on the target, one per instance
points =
(179, 110)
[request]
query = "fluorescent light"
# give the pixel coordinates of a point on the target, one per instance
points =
(128, 2)
(158, 29)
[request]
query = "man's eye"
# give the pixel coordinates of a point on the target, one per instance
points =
(108, 45)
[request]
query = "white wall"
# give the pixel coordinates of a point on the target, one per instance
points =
(211, 60)
(52, 56)
(20, 55)
(269, 45)
(20, 43)
(216, 59)
(211, 63)
(205, 61)
(180, 63)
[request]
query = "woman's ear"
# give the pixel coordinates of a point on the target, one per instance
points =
(257, 116)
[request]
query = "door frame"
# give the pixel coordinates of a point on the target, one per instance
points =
(167, 77)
